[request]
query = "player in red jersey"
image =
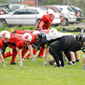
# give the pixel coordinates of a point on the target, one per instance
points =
(32, 42)
(35, 44)
(16, 43)
(24, 50)
(44, 24)
(34, 33)
(7, 36)
(46, 20)
(31, 38)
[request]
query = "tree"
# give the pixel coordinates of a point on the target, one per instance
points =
(54, 2)
(3, 1)
(62, 2)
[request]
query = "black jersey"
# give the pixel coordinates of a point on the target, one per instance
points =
(76, 47)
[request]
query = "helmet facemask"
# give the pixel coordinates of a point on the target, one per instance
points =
(5, 35)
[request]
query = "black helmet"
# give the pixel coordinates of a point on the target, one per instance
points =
(41, 35)
(80, 37)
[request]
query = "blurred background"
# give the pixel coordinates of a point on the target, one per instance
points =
(66, 11)
(77, 3)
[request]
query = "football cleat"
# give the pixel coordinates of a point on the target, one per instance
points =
(13, 63)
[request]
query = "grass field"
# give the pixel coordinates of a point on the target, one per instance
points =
(33, 73)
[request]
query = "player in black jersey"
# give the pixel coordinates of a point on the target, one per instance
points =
(79, 45)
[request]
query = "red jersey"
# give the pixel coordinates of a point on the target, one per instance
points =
(18, 32)
(17, 35)
(15, 41)
(1, 43)
(23, 31)
(45, 31)
(47, 22)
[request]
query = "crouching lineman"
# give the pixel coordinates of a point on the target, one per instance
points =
(14, 42)
(2, 40)
(79, 45)
(29, 40)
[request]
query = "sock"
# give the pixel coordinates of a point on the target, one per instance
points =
(41, 53)
(20, 64)
(73, 62)
(34, 52)
(77, 60)
(14, 56)
(4, 65)
(8, 54)
(27, 56)
(24, 51)
(33, 60)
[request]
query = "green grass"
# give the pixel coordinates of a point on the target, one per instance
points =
(33, 73)
(30, 28)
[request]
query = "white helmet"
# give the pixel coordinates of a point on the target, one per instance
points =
(53, 30)
(27, 37)
(50, 11)
(5, 34)
(35, 32)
